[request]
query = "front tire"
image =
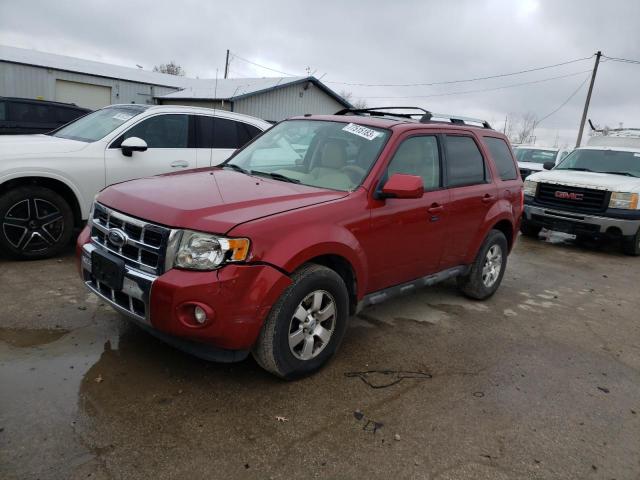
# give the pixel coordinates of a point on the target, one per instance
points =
(488, 268)
(35, 223)
(306, 325)
(631, 244)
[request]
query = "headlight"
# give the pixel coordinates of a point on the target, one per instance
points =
(624, 200)
(203, 251)
(530, 188)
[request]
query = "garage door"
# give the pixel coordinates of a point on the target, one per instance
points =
(83, 94)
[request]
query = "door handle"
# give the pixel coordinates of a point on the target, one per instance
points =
(180, 164)
(435, 208)
(487, 198)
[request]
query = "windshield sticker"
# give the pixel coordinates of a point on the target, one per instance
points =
(122, 116)
(361, 131)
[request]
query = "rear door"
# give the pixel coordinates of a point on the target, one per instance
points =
(169, 140)
(407, 236)
(472, 193)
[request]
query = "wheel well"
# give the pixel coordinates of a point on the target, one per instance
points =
(505, 227)
(57, 186)
(343, 268)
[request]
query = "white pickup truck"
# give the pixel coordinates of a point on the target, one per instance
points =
(47, 182)
(593, 192)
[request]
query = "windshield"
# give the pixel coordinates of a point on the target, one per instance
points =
(96, 125)
(535, 155)
(322, 154)
(603, 161)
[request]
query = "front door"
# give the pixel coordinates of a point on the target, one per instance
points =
(408, 235)
(168, 142)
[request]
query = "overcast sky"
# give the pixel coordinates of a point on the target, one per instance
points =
(371, 42)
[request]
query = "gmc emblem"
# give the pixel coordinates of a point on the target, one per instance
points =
(569, 195)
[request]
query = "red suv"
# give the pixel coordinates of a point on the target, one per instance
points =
(315, 219)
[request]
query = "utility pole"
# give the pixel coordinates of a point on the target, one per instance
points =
(586, 103)
(226, 65)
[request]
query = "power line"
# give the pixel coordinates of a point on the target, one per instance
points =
(263, 66)
(464, 92)
(565, 102)
(622, 60)
(448, 82)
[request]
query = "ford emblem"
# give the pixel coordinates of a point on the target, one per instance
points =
(116, 237)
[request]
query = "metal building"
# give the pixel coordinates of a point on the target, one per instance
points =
(34, 74)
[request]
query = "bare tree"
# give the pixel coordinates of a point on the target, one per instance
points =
(526, 127)
(348, 96)
(172, 68)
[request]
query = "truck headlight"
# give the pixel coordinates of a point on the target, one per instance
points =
(203, 251)
(627, 201)
(530, 188)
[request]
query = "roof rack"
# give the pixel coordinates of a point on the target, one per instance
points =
(424, 116)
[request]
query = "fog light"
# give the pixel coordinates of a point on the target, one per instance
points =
(200, 315)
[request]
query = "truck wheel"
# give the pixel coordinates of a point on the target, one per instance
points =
(487, 270)
(306, 325)
(529, 230)
(35, 223)
(631, 244)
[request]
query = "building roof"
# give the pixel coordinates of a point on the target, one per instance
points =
(190, 88)
(237, 88)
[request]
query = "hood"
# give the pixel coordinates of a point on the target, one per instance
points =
(12, 145)
(597, 181)
(531, 166)
(210, 200)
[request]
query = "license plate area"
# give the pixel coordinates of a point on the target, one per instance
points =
(107, 269)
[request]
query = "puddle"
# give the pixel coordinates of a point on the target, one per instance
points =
(22, 338)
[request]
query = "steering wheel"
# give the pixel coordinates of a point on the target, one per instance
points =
(355, 173)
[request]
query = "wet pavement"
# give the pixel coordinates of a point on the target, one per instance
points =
(541, 381)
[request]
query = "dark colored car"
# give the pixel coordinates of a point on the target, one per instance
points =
(19, 116)
(318, 217)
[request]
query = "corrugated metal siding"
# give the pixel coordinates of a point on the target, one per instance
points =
(36, 82)
(287, 102)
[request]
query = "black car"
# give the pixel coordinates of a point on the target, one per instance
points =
(23, 115)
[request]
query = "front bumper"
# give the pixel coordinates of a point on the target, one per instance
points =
(237, 298)
(579, 223)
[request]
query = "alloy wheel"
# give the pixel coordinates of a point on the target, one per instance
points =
(33, 225)
(312, 325)
(492, 266)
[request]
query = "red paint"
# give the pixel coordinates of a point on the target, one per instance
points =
(386, 241)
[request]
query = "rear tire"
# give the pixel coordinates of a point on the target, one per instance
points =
(35, 223)
(529, 230)
(305, 326)
(488, 268)
(631, 244)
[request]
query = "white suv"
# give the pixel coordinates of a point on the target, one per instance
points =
(593, 192)
(47, 182)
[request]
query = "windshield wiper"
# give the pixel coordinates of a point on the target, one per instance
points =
(276, 176)
(237, 168)
(626, 174)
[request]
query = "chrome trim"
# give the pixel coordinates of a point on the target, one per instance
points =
(627, 227)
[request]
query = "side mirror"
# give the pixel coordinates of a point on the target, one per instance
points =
(548, 165)
(403, 186)
(132, 144)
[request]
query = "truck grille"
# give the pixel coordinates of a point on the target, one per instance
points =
(573, 198)
(144, 244)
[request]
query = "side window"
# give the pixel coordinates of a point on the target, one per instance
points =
(418, 156)
(3, 110)
(31, 113)
(161, 131)
(225, 133)
(246, 133)
(465, 165)
(65, 115)
(502, 158)
(204, 131)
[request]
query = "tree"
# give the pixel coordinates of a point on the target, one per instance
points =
(526, 127)
(172, 68)
(348, 96)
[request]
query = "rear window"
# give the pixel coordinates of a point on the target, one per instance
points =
(465, 165)
(215, 132)
(502, 158)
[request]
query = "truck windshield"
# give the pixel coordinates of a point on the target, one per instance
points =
(96, 125)
(535, 155)
(324, 154)
(603, 161)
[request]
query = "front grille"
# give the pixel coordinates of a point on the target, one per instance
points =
(127, 302)
(576, 199)
(145, 243)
